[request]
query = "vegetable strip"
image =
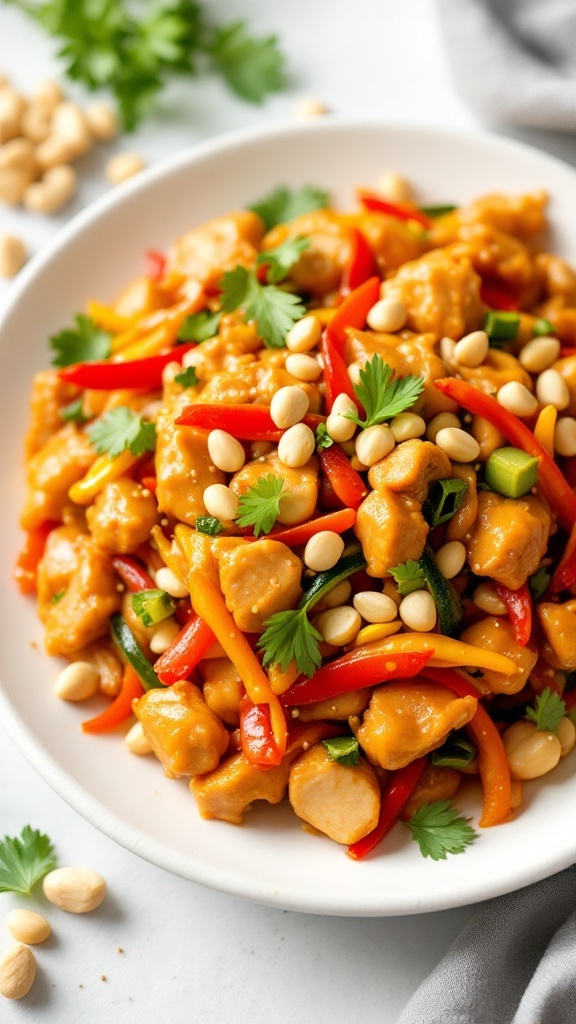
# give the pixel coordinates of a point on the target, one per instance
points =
(184, 653)
(395, 796)
(519, 607)
(137, 373)
(256, 737)
(132, 573)
(347, 484)
(121, 707)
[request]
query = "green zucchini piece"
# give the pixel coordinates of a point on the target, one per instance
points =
(450, 610)
(511, 472)
(501, 326)
(325, 581)
(129, 647)
(444, 500)
(456, 752)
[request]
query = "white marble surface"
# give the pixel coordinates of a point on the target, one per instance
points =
(162, 949)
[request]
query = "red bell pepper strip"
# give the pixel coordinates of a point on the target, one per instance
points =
(335, 375)
(565, 574)
(346, 482)
(245, 422)
(395, 796)
(155, 264)
(567, 353)
(185, 651)
(133, 574)
(135, 373)
(360, 668)
(403, 211)
(256, 736)
(496, 297)
(150, 483)
(519, 607)
(360, 265)
(353, 311)
(493, 764)
(337, 522)
(121, 707)
(550, 478)
(26, 568)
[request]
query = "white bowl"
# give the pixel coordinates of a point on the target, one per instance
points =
(271, 859)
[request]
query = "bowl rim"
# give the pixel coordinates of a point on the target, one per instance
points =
(58, 777)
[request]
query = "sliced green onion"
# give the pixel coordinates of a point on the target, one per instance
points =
(542, 326)
(209, 525)
(501, 326)
(437, 211)
(538, 583)
(129, 647)
(444, 500)
(73, 413)
(343, 750)
(456, 752)
(152, 606)
(511, 472)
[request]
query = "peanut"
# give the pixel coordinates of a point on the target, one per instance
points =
(17, 971)
(28, 926)
(12, 255)
(76, 890)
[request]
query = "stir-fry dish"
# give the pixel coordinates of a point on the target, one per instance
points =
(302, 501)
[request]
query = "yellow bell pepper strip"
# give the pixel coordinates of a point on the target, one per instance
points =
(101, 473)
(107, 318)
(209, 604)
(376, 631)
(281, 681)
(121, 707)
(171, 554)
(544, 429)
(492, 761)
(156, 331)
(551, 480)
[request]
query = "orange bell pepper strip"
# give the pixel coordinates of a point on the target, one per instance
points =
(493, 764)
(121, 707)
(553, 484)
(544, 429)
(107, 319)
(26, 567)
(209, 604)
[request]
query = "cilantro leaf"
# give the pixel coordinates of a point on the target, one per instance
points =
(84, 343)
(252, 67)
(439, 829)
(382, 397)
(408, 577)
(280, 260)
(538, 583)
(200, 326)
(343, 750)
(283, 205)
(274, 310)
(209, 525)
(259, 506)
(548, 712)
(187, 378)
(290, 636)
(73, 413)
(119, 429)
(323, 439)
(24, 860)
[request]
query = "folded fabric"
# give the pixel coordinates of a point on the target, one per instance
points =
(515, 963)
(514, 61)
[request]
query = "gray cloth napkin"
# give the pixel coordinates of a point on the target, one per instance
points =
(515, 963)
(514, 61)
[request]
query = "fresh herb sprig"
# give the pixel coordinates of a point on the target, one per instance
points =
(548, 711)
(84, 343)
(323, 439)
(186, 378)
(24, 860)
(290, 636)
(121, 429)
(408, 577)
(259, 506)
(439, 829)
(200, 326)
(382, 396)
(283, 205)
(279, 261)
(274, 310)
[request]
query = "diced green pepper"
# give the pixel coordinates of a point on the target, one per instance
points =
(343, 750)
(152, 606)
(501, 326)
(511, 472)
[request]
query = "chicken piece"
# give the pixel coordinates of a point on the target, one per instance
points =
(495, 254)
(103, 656)
(435, 783)
(498, 368)
(257, 382)
(300, 485)
(405, 721)
(230, 790)
(319, 269)
(186, 736)
(49, 394)
(495, 633)
(521, 216)
(392, 241)
(222, 689)
(184, 469)
(219, 245)
(81, 615)
(458, 527)
(559, 624)
(336, 709)
(441, 295)
(509, 538)
(557, 278)
(258, 578)
(391, 529)
(61, 462)
(197, 550)
(122, 516)
(343, 801)
(57, 566)
(143, 295)
(410, 468)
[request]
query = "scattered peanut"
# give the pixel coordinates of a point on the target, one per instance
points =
(296, 446)
(393, 186)
(407, 425)
(123, 166)
(339, 626)
(450, 558)
(303, 367)
(458, 445)
(565, 436)
(310, 107)
(69, 124)
(374, 443)
(323, 550)
(168, 581)
(418, 611)
(374, 606)
(12, 255)
(17, 971)
(53, 191)
(338, 426)
(78, 681)
(516, 398)
(305, 334)
(102, 121)
(439, 422)
(136, 741)
(472, 349)
(77, 890)
(531, 752)
(28, 926)
(220, 502)
(538, 354)
(12, 106)
(225, 451)
(567, 735)
(486, 598)
(552, 389)
(387, 315)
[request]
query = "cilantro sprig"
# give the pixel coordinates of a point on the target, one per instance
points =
(136, 50)
(279, 261)
(73, 412)
(200, 326)
(274, 310)
(24, 860)
(259, 506)
(438, 828)
(548, 711)
(119, 429)
(283, 205)
(187, 378)
(323, 439)
(408, 577)
(383, 397)
(84, 343)
(290, 636)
